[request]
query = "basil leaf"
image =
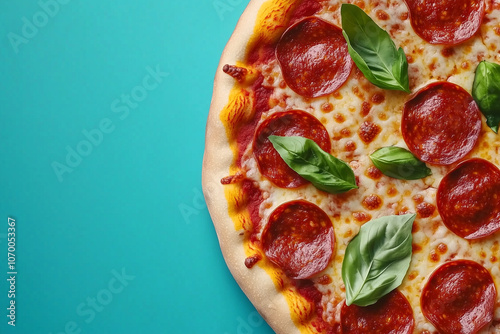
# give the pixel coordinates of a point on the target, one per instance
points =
(377, 259)
(322, 169)
(486, 92)
(399, 163)
(373, 51)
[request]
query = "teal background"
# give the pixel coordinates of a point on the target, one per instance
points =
(118, 240)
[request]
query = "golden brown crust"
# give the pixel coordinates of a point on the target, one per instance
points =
(255, 282)
(275, 300)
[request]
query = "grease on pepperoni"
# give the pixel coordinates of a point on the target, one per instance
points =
(459, 297)
(289, 123)
(441, 123)
(299, 239)
(446, 21)
(468, 199)
(314, 57)
(392, 314)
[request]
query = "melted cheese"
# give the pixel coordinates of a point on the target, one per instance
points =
(358, 106)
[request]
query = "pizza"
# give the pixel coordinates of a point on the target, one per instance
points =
(351, 166)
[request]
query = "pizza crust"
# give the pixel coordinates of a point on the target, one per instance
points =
(255, 282)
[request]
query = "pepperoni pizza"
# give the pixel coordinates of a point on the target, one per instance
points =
(351, 166)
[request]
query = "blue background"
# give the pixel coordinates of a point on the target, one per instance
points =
(100, 166)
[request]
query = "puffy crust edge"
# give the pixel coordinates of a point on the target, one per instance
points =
(218, 156)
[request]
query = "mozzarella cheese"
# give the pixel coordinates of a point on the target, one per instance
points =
(358, 106)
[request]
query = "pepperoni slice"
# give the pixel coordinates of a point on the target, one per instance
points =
(391, 314)
(468, 199)
(459, 297)
(313, 57)
(299, 239)
(288, 123)
(441, 123)
(446, 21)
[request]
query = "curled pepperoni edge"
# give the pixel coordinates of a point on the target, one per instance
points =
(436, 318)
(322, 243)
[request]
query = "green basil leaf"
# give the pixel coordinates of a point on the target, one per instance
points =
(377, 259)
(486, 92)
(323, 170)
(399, 163)
(373, 51)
